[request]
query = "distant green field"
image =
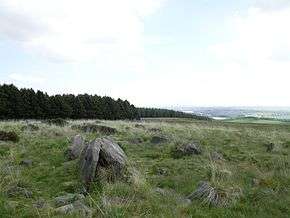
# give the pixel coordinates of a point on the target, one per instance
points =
(257, 120)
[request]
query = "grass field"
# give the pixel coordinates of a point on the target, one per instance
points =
(254, 182)
(257, 120)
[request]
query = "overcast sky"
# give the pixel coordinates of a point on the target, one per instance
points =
(151, 52)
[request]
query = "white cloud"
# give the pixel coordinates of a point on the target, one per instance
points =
(258, 55)
(260, 41)
(260, 36)
(272, 4)
(87, 30)
(250, 68)
(26, 79)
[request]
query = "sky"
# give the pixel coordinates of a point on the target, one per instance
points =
(155, 53)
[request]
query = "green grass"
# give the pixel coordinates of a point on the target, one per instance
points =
(255, 182)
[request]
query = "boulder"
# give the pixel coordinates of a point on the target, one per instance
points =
(216, 156)
(100, 154)
(66, 209)
(17, 191)
(205, 192)
(212, 196)
(161, 191)
(27, 163)
(68, 199)
(88, 162)
(90, 127)
(158, 140)
(187, 149)
(40, 203)
(191, 148)
(112, 155)
(77, 208)
(75, 150)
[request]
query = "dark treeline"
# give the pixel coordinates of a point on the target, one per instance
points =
(155, 112)
(29, 104)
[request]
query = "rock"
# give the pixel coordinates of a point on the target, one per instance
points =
(192, 148)
(39, 204)
(90, 127)
(216, 156)
(66, 209)
(203, 191)
(16, 191)
(9, 136)
(209, 195)
(112, 155)
(68, 199)
(76, 208)
(74, 151)
(100, 154)
(88, 162)
(158, 140)
(27, 163)
(82, 209)
(106, 130)
(161, 191)
(187, 149)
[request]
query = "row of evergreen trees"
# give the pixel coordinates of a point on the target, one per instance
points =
(156, 112)
(27, 104)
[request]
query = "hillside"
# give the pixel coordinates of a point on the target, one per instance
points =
(234, 169)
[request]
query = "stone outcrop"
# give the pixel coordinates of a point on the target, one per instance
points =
(75, 150)
(101, 153)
